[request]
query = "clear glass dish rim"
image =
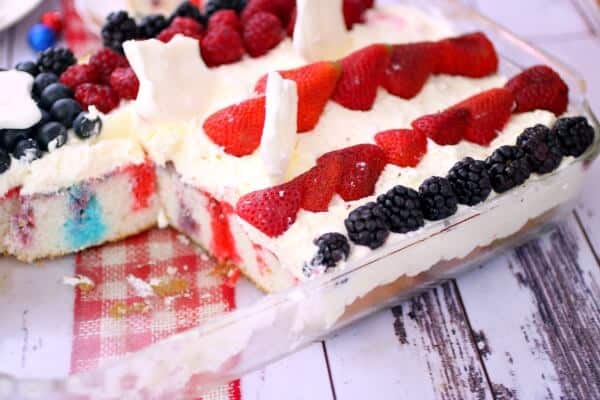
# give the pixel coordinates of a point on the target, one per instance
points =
(578, 100)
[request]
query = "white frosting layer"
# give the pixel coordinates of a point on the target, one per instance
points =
(17, 108)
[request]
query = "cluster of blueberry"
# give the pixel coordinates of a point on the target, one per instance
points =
(539, 149)
(60, 112)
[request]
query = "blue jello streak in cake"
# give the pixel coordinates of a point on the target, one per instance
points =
(85, 226)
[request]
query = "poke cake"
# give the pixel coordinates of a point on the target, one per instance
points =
(287, 138)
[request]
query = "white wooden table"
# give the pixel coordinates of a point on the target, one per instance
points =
(524, 326)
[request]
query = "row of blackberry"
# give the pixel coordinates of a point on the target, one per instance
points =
(469, 182)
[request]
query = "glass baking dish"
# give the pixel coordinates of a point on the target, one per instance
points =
(276, 325)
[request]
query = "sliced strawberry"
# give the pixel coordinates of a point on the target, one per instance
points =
(409, 68)
(490, 111)
(362, 73)
(272, 210)
(445, 128)
(363, 164)
(403, 147)
(470, 55)
(320, 183)
(539, 88)
(316, 83)
(238, 128)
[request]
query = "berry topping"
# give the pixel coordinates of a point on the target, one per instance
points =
(213, 6)
(27, 149)
(118, 29)
(125, 83)
(102, 97)
(262, 32)
(238, 128)
(471, 55)
(403, 147)
(77, 74)
(445, 128)
(65, 111)
(508, 167)
(539, 88)
(54, 92)
(409, 68)
(280, 8)
(470, 181)
(151, 25)
(188, 10)
(316, 83)
(366, 225)
(575, 135)
(362, 165)
(490, 111)
(353, 12)
(51, 136)
(55, 60)
(5, 161)
(106, 61)
(437, 198)
(402, 209)
(85, 127)
(225, 18)
(320, 183)
(185, 26)
(362, 72)
(543, 148)
(28, 66)
(222, 45)
(10, 137)
(333, 249)
(42, 81)
(272, 210)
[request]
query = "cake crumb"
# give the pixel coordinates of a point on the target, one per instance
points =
(171, 270)
(170, 286)
(140, 286)
(81, 282)
(120, 309)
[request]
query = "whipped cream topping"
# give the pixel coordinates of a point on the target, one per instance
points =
(320, 31)
(279, 133)
(17, 108)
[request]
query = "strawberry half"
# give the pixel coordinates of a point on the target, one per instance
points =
(490, 111)
(272, 210)
(409, 68)
(238, 128)
(446, 127)
(471, 55)
(316, 83)
(362, 165)
(362, 73)
(403, 147)
(539, 88)
(320, 183)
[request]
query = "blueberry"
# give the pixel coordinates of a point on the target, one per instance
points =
(42, 81)
(86, 127)
(10, 137)
(4, 161)
(65, 111)
(28, 66)
(54, 92)
(27, 149)
(51, 136)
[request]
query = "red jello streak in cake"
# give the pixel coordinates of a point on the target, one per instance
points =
(11, 194)
(24, 220)
(144, 184)
(223, 244)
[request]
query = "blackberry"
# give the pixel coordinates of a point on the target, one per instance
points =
(118, 29)
(508, 167)
(366, 225)
(151, 25)
(575, 135)
(55, 60)
(333, 248)
(215, 5)
(28, 66)
(438, 200)
(402, 209)
(4, 161)
(187, 9)
(543, 148)
(470, 181)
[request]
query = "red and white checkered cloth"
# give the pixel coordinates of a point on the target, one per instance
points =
(113, 318)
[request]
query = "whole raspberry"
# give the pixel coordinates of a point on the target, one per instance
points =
(225, 17)
(77, 74)
(125, 83)
(262, 32)
(102, 97)
(222, 45)
(184, 26)
(106, 61)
